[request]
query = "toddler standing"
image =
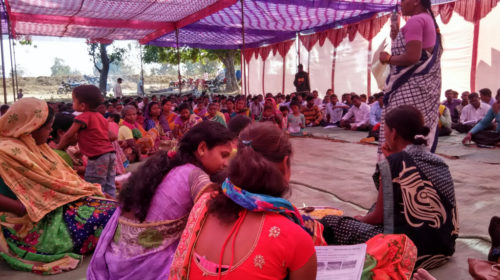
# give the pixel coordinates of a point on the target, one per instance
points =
(94, 138)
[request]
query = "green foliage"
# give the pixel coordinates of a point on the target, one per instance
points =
(59, 68)
(154, 54)
(115, 55)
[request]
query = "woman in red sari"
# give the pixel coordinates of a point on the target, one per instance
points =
(261, 234)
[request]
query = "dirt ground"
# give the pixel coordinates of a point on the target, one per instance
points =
(338, 174)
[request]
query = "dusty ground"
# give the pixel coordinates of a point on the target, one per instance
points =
(338, 174)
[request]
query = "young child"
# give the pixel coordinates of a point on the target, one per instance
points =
(269, 115)
(213, 115)
(72, 155)
(296, 120)
(94, 138)
(284, 117)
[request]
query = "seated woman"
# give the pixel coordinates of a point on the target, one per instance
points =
(72, 155)
(153, 125)
(141, 237)
(480, 133)
(167, 117)
(416, 195)
(246, 230)
(184, 121)
(133, 136)
(50, 216)
(121, 159)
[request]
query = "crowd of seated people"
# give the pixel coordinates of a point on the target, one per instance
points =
(230, 166)
(476, 114)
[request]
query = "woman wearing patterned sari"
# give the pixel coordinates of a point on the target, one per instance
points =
(415, 76)
(416, 195)
(49, 216)
(140, 239)
(184, 121)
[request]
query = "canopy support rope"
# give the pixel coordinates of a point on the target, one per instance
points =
(178, 60)
(243, 60)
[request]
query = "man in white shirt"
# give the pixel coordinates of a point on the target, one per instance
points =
(317, 100)
(334, 110)
(471, 114)
(361, 113)
(117, 90)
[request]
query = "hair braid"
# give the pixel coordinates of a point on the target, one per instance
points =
(428, 6)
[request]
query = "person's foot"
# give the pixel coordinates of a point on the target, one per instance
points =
(494, 231)
(422, 274)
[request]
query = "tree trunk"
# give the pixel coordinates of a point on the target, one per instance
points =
(228, 61)
(103, 77)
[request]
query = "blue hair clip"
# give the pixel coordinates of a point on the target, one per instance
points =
(247, 142)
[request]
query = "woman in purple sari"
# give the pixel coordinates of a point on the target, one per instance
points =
(140, 239)
(415, 77)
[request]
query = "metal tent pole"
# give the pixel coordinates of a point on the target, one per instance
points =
(178, 60)
(3, 65)
(243, 62)
(12, 68)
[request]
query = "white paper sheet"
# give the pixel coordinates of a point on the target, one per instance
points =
(340, 262)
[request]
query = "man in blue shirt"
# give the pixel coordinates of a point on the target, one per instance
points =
(376, 110)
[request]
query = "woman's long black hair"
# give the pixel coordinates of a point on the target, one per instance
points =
(140, 188)
(428, 6)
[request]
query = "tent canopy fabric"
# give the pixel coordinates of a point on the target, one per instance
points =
(210, 24)
(271, 21)
(107, 20)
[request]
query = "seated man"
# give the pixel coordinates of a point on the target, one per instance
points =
(311, 112)
(451, 103)
(485, 95)
(334, 110)
(444, 124)
(460, 107)
(480, 133)
(361, 113)
(376, 109)
(471, 114)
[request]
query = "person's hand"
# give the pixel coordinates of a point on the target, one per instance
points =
(384, 57)
(387, 150)
(467, 139)
(354, 128)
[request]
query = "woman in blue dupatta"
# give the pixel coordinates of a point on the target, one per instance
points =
(415, 76)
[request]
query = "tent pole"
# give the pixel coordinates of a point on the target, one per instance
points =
(475, 45)
(283, 79)
(12, 68)
(15, 65)
(369, 70)
(298, 46)
(11, 43)
(333, 68)
(3, 66)
(263, 75)
(243, 61)
(142, 69)
(178, 60)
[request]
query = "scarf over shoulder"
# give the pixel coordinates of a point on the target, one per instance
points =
(40, 178)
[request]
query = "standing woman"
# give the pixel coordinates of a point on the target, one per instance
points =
(415, 77)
